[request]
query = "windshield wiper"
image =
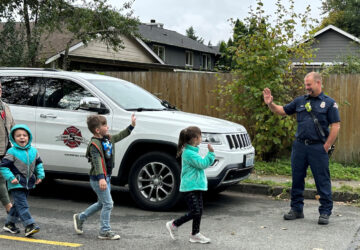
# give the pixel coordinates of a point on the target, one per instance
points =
(143, 109)
(167, 105)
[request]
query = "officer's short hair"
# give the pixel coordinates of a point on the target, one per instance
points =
(316, 76)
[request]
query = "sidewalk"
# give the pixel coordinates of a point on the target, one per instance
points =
(284, 192)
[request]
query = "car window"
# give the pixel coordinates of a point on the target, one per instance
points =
(62, 94)
(21, 90)
(127, 95)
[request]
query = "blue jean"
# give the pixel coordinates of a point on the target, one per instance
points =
(104, 203)
(301, 157)
(20, 208)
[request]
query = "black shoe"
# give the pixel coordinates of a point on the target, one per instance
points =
(292, 215)
(31, 229)
(323, 219)
(11, 228)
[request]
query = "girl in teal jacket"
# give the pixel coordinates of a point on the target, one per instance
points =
(193, 182)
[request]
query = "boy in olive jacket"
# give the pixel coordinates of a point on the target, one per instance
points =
(100, 153)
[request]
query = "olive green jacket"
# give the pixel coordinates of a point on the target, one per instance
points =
(95, 153)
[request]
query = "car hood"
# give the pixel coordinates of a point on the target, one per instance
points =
(182, 120)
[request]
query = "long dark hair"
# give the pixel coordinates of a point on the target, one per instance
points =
(186, 135)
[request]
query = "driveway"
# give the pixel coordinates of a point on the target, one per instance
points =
(232, 220)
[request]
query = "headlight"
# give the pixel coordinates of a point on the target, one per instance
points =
(211, 138)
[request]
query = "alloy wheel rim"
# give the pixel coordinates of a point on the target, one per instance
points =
(155, 181)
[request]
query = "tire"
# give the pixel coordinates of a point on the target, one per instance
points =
(154, 181)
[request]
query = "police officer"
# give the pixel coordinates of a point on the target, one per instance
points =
(308, 148)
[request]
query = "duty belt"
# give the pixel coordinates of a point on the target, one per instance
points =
(309, 142)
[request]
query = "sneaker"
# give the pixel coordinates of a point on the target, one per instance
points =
(292, 215)
(78, 224)
(199, 238)
(109, 235)
(31, 229)
(11, 228)
(323, 219)
(172, 229)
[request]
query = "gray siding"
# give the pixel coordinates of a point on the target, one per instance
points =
(176, 56)
(333, 47)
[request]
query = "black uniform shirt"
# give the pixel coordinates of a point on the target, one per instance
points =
(323, 107)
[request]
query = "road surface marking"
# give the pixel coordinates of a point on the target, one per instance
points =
(49, 242)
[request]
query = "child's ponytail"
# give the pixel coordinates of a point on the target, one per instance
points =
(186, 137)
(181, 143)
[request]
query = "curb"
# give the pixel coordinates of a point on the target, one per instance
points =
(284, 192)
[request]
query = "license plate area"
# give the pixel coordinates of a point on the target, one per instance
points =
(249, 160)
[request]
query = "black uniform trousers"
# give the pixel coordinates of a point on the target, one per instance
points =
(302, 156)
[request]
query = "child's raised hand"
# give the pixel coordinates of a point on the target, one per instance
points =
(133, 120)
(15, 181)
(211, 149)
(38, 181)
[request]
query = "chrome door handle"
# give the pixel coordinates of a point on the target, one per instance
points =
(48, 116)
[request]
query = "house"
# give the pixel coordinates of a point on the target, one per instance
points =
(176, 49)
(156, 49)
(332, 46)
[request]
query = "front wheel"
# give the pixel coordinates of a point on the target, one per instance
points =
(154, 181)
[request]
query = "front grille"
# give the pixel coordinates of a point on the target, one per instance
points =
(238, 141)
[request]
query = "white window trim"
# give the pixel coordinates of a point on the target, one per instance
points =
(207, 65)
(192, 58)
(157, 51)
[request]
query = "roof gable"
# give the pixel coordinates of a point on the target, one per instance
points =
(156, 34)
(342, 32)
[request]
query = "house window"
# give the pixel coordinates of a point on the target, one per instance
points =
(206, 61)
(160, 51)
(189, 61)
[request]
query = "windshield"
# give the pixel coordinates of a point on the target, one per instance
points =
(128, 95)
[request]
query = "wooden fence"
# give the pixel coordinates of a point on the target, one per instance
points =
(345, 89)
(194, 92)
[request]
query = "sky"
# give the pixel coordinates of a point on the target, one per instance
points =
(209, 18)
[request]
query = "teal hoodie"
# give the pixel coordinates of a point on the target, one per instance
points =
(192, 173)
(23, 163)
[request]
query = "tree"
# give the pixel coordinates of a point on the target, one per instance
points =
(12, 53)
(91, 20)
(227, 50)
(190, 32)
(262, 54)
(96, 20)
(343, 14)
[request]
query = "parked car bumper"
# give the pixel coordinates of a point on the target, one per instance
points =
(230, 175)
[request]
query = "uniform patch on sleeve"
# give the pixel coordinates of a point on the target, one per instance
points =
(335, 105)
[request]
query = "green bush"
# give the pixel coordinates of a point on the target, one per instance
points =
(263, 56)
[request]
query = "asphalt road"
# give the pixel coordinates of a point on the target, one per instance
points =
(232, 220)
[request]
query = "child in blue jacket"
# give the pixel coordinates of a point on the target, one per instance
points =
(193, 182)
(23, 169)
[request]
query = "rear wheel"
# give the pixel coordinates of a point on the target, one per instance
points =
(154, 181)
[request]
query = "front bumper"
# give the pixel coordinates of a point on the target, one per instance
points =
(230, 175)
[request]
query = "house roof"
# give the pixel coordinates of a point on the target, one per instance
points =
(344, 33)
(54, 44)
(156, 34)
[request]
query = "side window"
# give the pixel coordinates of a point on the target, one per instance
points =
(63, 94)
(21, 90)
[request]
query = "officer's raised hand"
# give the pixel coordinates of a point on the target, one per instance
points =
(268, 98)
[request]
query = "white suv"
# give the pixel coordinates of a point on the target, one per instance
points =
(55, 105)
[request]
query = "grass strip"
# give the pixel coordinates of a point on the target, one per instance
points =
(338, 171)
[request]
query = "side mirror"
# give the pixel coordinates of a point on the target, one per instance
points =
(93, 104)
